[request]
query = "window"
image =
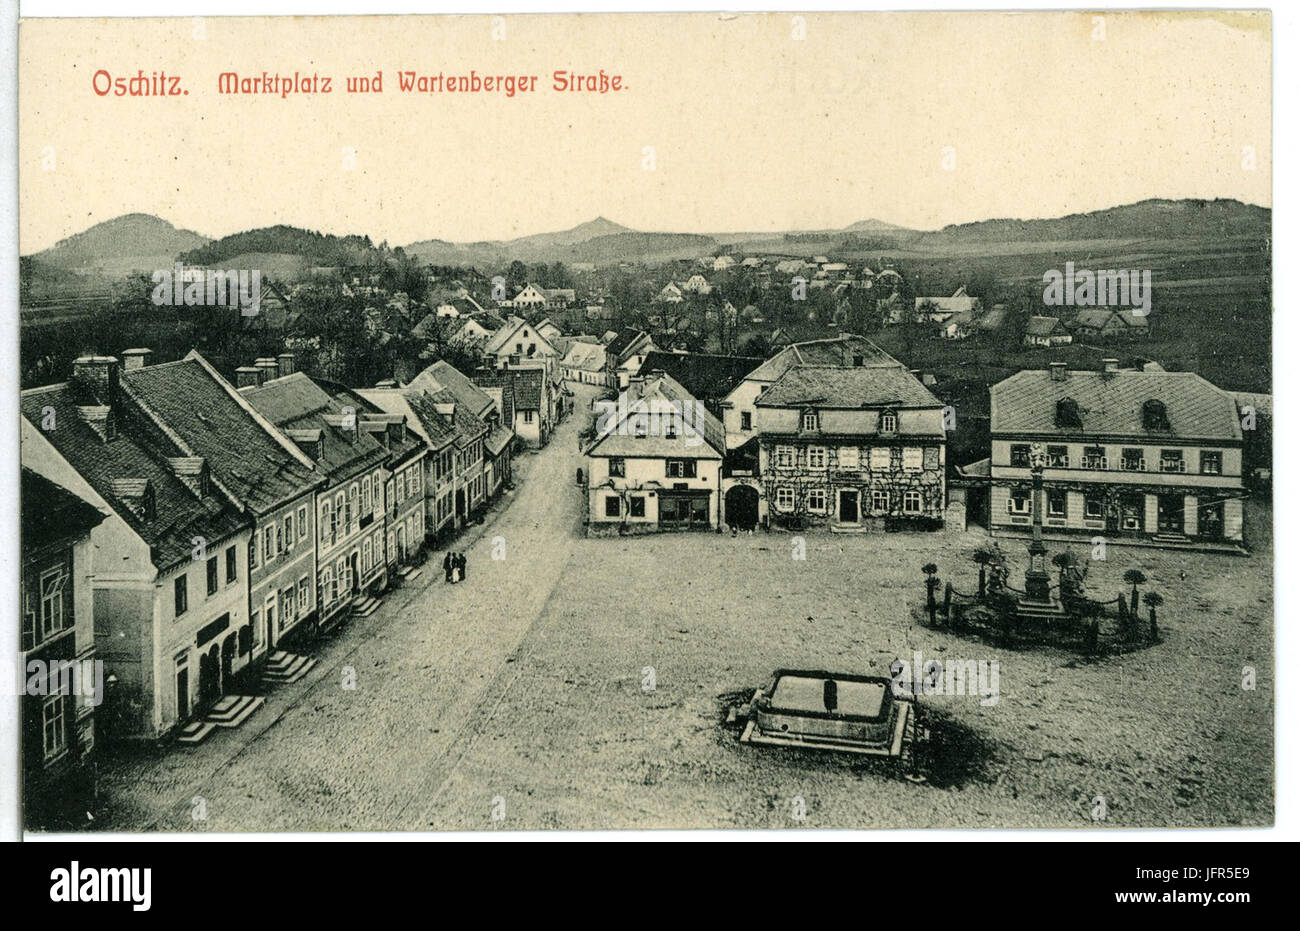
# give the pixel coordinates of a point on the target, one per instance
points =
(1171, 460)
(365, 555)
(252, 553)
(680, 468)
(327, 590)
(913, 457)
(1067, 413)
(528, 416)
(816, 457)
(288, 531)
(52, 583)
(1055, 503)
(326, 521)
(304, 594)
(213, 580)
(809, 420)
(367, 502)
(1058, 457)
(670, 428)
(911, 502)
(817, 500)
(54, 733)
(1131, 461)
(785, 498)
(1094, 457)
(612, 508)
(848, 457)
(879, 458)
(255, 622)
(746, 420)
(1154, 416)
(1020, 455)
(618, 467)
(1018, 502)
(302, 522)
(181, 594)
(785, 456)
(268, 544)
(636, 506)
(232, 565)
(288, 610)
(1092, 506)
(411, 475)
(879, 499)
(400, 488)
(888, 422)
(1211, 463)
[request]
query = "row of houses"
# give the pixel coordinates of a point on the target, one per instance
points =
(187, 531)
(838, 433)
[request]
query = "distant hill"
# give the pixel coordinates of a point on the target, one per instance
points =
(599, 241)
(132, 243)
(874, 226)
(315, 248)
(1161, 219)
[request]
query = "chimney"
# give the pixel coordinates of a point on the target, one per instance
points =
(286, 363)
(133, 359)
(246, 376)
(95, 379)
(1110, 365)
(269, 368)
(1058, 370)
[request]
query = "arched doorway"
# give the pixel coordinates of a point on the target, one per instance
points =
(227, 662)
(741, 507)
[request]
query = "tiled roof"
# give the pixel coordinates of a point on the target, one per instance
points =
(615, 441)
(1042, 326)
(179, 514)
(589, 357)
(443, 374)
(706, 376)
(50, 512)
(847, 388)
(625, 340)
(418, 409)
(528, 388)
(241, 454)
(296, 402)
(839, 351)
(1110, 404)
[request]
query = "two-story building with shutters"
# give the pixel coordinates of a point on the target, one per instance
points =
(171, 620)
(330, 428)
(267, 475)
(61, 685)
(853, 448)
(655, 462)
(1151, 457)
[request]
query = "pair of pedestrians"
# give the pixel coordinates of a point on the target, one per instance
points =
(453, 567)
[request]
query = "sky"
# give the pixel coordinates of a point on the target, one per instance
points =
(727, 123)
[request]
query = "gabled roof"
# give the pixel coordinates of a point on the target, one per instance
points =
(260, 468)
(418, 409)
(703, 435)
(1110, 404)
(296, 402)
(839, 350)
(589, 357)
(443, 374)
(140, 456)
(502, 337)
(825, 386)
(1043, 326)
(51, 513)
(625, 343)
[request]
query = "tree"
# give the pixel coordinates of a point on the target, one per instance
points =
(1135, 578)
(1153, 600)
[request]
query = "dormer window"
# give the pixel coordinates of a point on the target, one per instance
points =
(1154, 416)
(809, 420)
(888, 422)
(1067, 413)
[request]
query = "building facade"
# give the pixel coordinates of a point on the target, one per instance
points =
(1144, 456)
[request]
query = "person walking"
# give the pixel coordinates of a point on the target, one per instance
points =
(446, 566)
(463, 564)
